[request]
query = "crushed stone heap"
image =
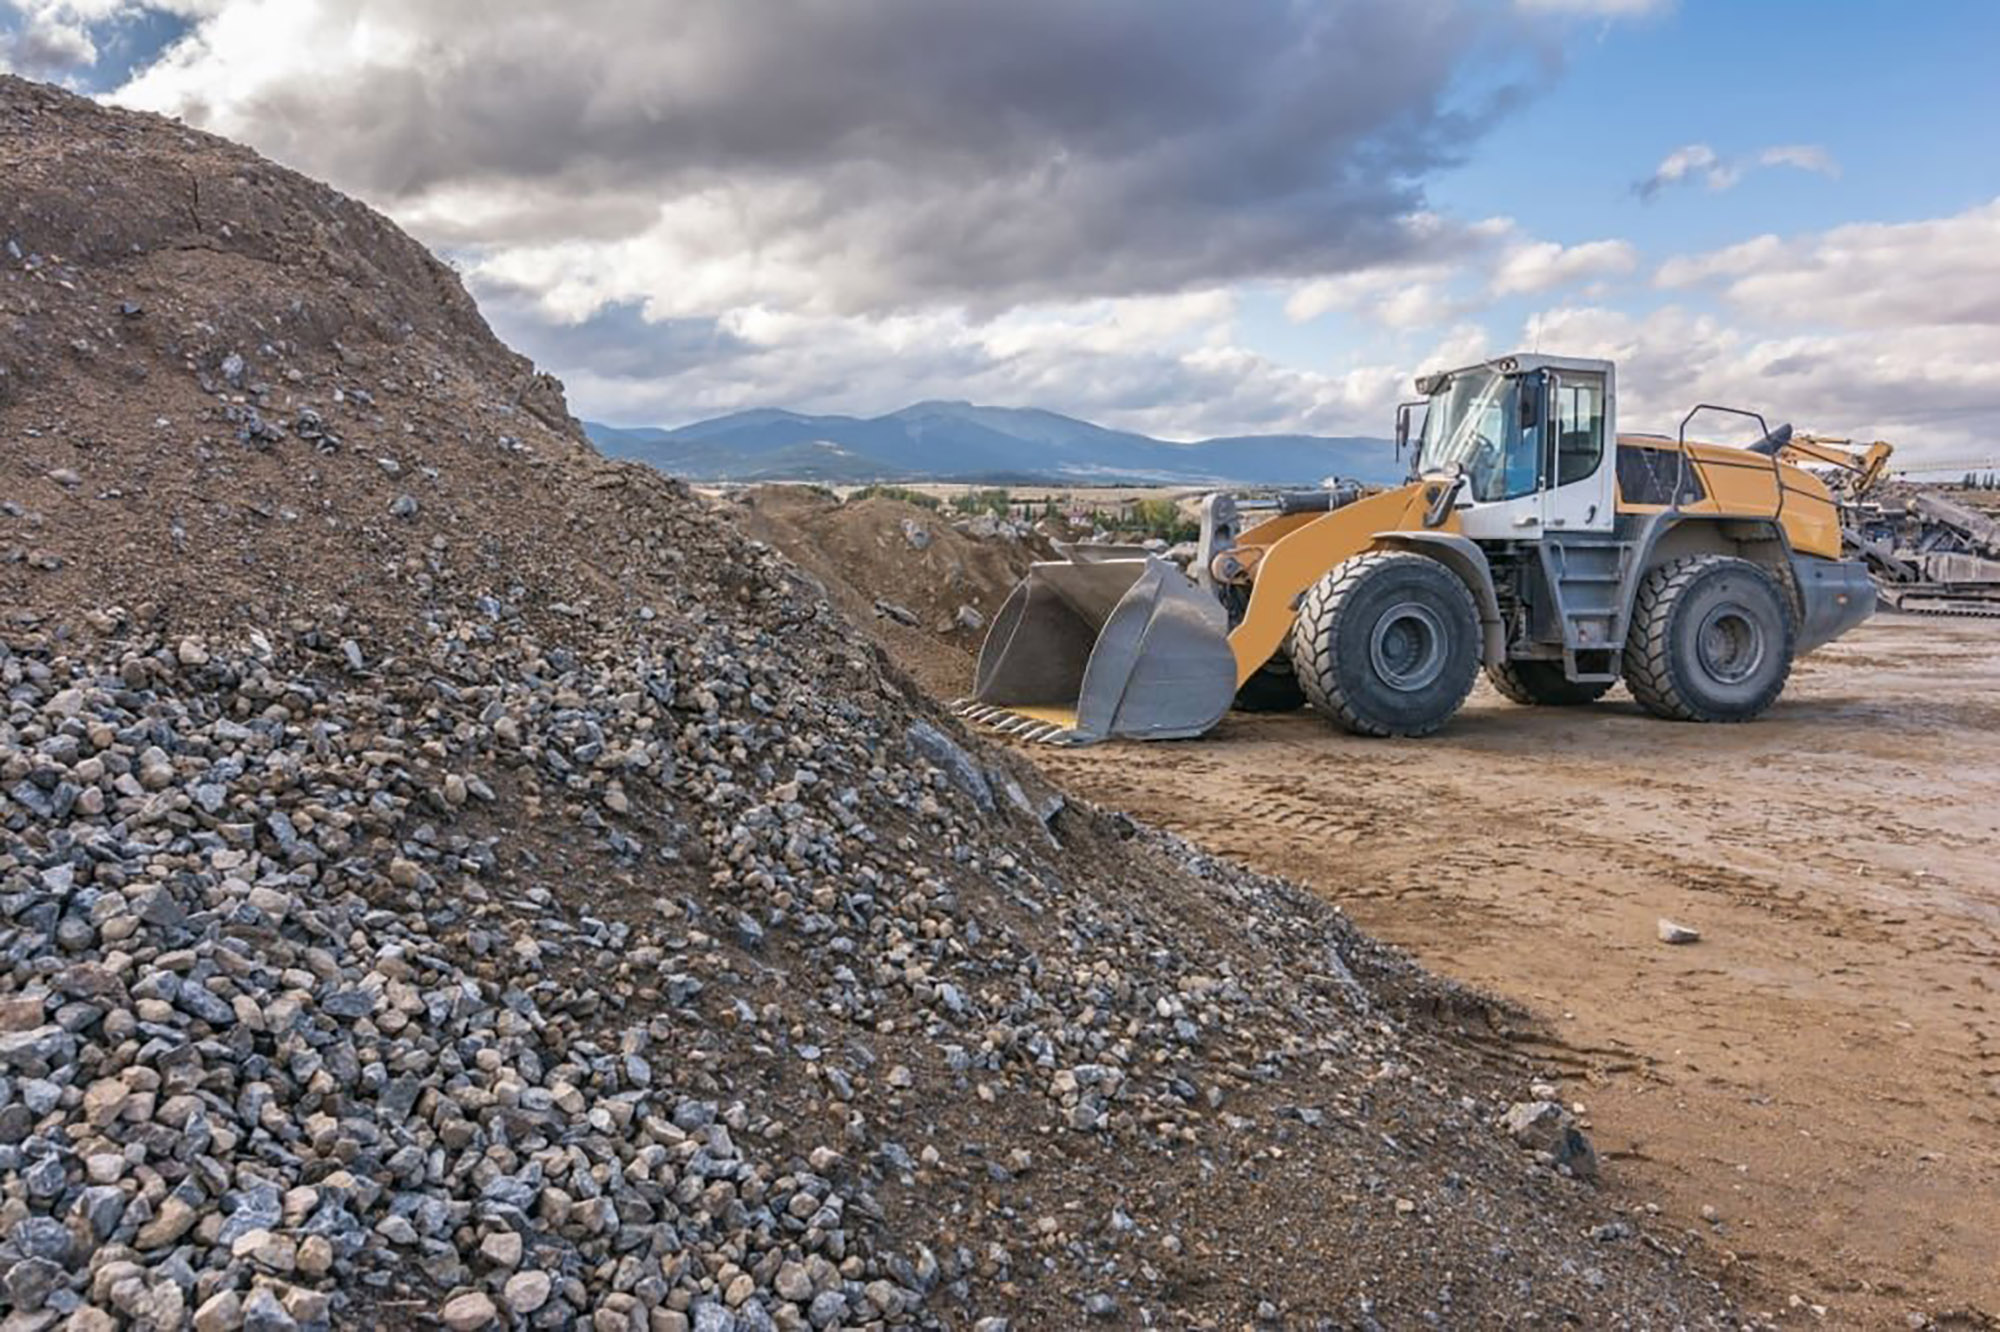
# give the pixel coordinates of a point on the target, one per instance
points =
(446, 878)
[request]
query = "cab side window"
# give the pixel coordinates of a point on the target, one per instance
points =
(1648, 476)
(1579, 427)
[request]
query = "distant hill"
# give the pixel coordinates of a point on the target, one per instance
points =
(957, 441)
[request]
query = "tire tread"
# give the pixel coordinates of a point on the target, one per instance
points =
(1313, 640)
(1648, 658)
(1511, 683)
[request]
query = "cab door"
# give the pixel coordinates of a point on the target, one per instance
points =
(1501, 498)
(1577, 453)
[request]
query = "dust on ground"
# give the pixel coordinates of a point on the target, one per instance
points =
(1821, 1072)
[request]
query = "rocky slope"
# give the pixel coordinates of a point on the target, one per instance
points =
(447, 877)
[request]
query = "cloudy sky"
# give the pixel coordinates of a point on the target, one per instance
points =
(1189, 217)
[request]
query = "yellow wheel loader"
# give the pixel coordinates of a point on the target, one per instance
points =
(1531, 540)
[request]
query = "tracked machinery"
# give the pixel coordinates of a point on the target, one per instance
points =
(1933, 556)
(1929, 554)
(1531, 540)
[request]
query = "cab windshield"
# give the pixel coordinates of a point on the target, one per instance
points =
(1472, 425)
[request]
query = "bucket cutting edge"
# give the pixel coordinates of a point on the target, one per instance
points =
(1094, 648)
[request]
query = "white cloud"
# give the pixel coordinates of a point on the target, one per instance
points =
(1888, 330)
(1172, 367)
(1931, 391)
(690, 208)
(862, 156)
(1697, 162)
(1136, 324)
(54, 36)
(1694, 161)
(63, 39)
(1419, 305)
(1540, 265)
(1465, 344)
(1804, 156)
(1434, 251)
(1734, 260)
(1373, 290)
(1491, 259)
(1876, 276)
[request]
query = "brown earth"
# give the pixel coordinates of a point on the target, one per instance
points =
(1822, 1070)
(219, 379)
(860, 553)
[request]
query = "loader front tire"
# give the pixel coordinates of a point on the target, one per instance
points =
(1543, 684)
(1712, 640)
(1387, 643)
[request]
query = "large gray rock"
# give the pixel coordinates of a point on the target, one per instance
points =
(942, 752)
(1545, 1126)
(36, 1051)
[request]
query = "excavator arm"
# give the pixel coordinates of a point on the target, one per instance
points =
(1860, 466)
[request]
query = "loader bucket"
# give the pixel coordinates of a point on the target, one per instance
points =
(1092, 647)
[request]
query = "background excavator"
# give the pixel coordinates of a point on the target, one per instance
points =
(1850, 468)
(1531, 541)
(1929, 554)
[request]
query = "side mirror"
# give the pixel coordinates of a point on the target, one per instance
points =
(1534, 388)
(1403, 422)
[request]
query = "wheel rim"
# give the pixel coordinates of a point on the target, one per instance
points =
(1407, 646)
(1730, 644)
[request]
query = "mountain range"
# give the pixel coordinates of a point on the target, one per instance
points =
(958, 441)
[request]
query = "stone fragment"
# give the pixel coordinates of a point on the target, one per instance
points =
(1673, 933)
(525, 1292)
(173, 1219)
(502, 1248)
(220, 1312)
(469, 1311)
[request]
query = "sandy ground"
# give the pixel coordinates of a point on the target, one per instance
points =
(1814, 1088)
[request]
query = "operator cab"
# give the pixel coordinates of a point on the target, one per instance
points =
(1524, 439)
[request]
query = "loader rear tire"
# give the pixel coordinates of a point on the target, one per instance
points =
(1712, 640)
(1275, 688)
(1543, 684)
(1387, 643)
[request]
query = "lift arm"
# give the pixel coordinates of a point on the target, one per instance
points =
(1861, 466)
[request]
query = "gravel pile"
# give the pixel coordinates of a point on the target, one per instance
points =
(449, 879)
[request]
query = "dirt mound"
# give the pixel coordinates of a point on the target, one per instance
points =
(230, 395)
(485, 885)
(925, 589)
